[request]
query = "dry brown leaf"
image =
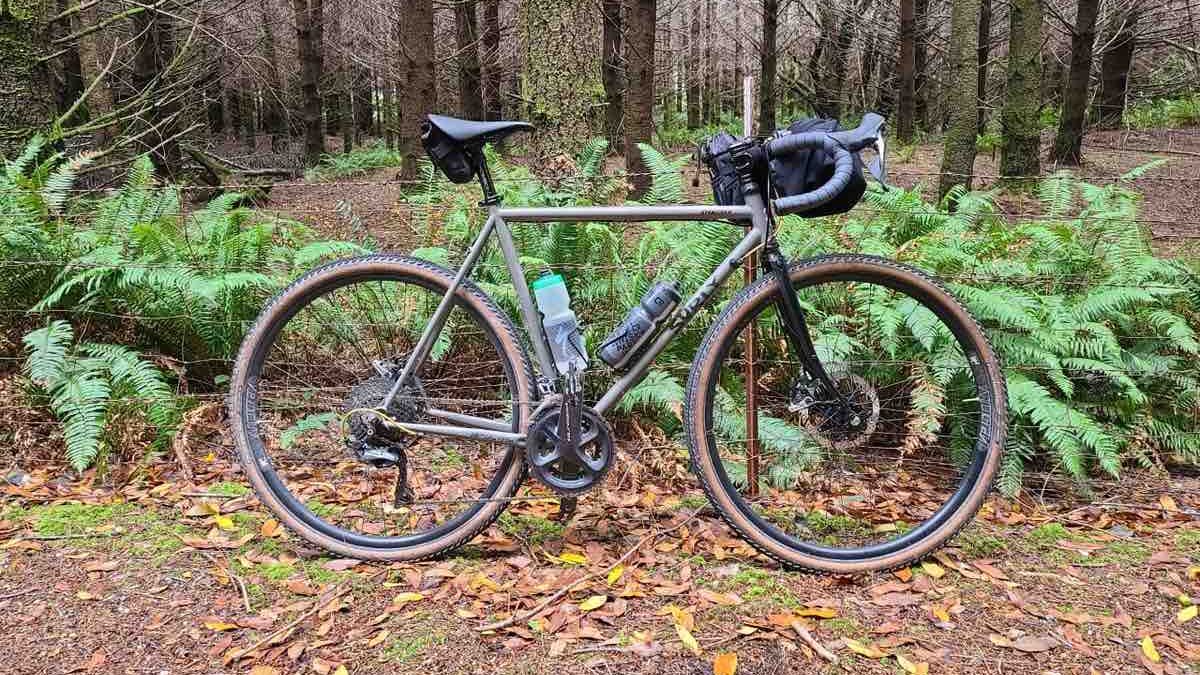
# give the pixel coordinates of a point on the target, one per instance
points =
(933, 569)
(725, 663)
(688, 640)
(869, 651)
(270, 528)
(379, 638)
(264, 670)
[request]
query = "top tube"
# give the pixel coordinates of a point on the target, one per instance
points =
(632, 213)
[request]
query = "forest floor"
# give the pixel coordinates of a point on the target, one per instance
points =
(146, 572)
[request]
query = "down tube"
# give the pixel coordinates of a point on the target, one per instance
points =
(680, 319)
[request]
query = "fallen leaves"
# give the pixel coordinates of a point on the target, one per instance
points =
(594, 602)
(869, 651)
(725, 663)
(1187, 614)
(1149, 650)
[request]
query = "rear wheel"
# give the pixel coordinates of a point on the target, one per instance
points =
(319, 447)
(875, 483)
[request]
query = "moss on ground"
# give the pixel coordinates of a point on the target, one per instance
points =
(533, 529)
(406, 649)
(55, 520)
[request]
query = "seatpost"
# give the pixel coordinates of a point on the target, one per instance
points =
(490, 198)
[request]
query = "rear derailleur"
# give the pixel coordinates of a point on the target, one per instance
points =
(375, 436)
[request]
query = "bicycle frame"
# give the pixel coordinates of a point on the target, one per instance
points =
(478, 428)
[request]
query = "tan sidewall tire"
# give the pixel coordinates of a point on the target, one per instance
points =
(697, 403)
(400, 266)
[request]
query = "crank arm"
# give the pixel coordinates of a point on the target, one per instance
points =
(791, 315)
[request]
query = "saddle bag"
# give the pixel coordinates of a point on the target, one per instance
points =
(808, 170)
(449, 156)
(727, 188)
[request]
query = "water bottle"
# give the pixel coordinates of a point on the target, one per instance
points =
(639, 325)
(560, 324)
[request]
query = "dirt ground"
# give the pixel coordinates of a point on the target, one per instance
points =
(147, 572)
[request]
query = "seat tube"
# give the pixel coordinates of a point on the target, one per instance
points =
(529, 313)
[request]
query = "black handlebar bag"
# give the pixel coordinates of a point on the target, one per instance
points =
(807, 170)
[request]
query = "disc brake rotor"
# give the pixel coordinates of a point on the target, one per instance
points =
(834, 425)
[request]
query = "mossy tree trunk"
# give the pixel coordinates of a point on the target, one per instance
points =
(612, 71)
(1020, 154)
(958, 144)
(1068, 143)
(982, 50)
(25, 99)
(562, 72)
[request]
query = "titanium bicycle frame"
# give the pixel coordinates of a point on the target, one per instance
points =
(479, 428)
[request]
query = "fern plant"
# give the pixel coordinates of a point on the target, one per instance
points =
(91, 384)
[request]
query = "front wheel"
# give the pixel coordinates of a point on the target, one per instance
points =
(874, 483)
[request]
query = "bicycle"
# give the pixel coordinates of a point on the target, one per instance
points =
(385, 407)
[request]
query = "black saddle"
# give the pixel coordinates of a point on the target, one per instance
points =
(469, 132)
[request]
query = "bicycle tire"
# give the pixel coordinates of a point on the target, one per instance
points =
(242, 403)
(700, 396)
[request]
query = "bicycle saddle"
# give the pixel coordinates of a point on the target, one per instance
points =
(468, 131)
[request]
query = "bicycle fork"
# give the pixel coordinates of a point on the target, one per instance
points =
(791, 316)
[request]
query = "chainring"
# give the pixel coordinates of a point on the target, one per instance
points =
(564, 476)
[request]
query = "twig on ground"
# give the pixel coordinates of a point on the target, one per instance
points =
(237, 580)
(811, 641)
(86, 535)
(332, 594)
(522, 617)
(10, 596)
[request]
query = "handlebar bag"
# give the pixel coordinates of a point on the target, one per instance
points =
(808, 170)
(448, 155)
(727, 189)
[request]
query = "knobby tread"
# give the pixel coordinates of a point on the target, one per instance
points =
(496, 319)
(711, 342)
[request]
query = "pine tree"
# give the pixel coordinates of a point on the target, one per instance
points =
(958, 145)
(1021, 153)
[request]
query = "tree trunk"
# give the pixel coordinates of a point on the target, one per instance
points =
(921, 62)
(470, 92)
(562, 40)
(25, 101)
(69, 71)
(310, 28)
(493, 73)
(274, 112)
(712, 106)
(958, 146)
(1109, 107)
(907, 68)
(1068, 144)
(614, 84)
(693, 69)
(985, 36)
(94, 52)
(153, 52)
(418, 95)
(1019, 124)
(639, 108)
(346, 113)
(739, 61)
(767, 61)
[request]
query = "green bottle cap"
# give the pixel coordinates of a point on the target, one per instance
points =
(548, 280)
